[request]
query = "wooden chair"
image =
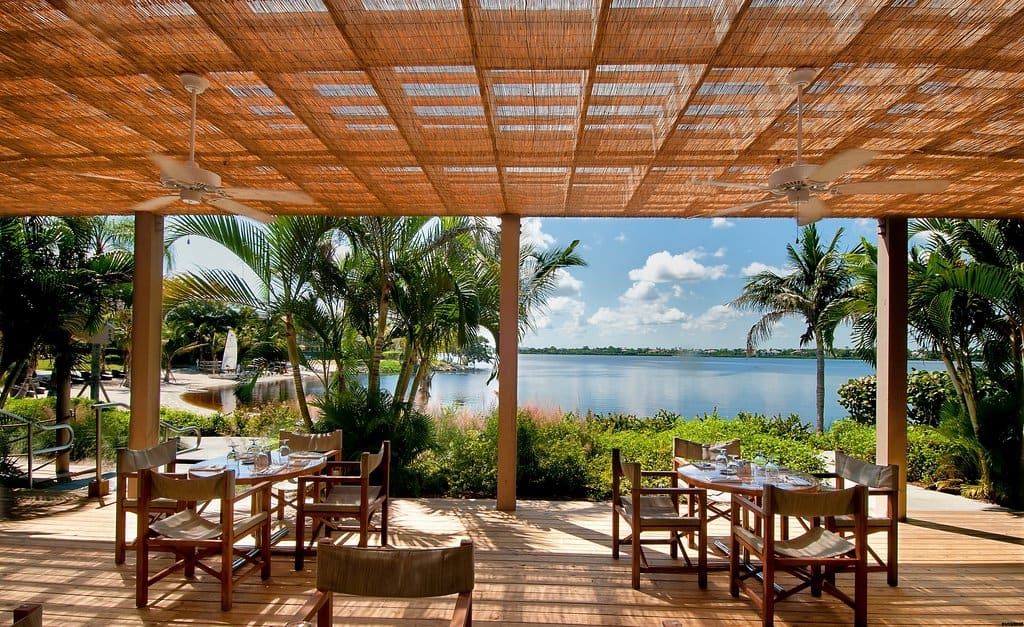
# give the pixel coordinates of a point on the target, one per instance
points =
(129, 463)
(813, 558)
(334, 496)
(882, 483)
(649, 509)
(391, 572)
(28, 615)
(193, 538)
(718, 502)
(328, 443)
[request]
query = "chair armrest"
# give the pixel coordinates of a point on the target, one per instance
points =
(309, 610)
(259, 487)
(741, 502)
(324, 480)
(659, 473)
(882, 491)
(824, 475)
(463, 610)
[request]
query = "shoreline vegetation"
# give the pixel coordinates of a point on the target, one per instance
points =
(791, 353)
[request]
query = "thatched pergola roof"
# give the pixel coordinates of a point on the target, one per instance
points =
(529, 107)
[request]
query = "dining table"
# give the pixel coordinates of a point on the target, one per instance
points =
(748, 482)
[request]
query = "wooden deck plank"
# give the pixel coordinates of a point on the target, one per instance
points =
(548, 563)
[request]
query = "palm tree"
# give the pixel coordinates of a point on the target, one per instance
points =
(815, 290)
(281, 255)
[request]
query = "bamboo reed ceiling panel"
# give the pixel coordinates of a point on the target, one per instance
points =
(531, 107)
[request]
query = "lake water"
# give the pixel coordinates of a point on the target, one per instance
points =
(689, 386)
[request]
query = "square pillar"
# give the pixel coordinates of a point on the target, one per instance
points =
(891, 400)
(508, 362)
(147, 317)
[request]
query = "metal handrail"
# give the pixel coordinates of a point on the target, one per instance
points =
(30, 452)
(178, 431)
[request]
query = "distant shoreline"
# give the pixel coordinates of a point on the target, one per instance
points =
(777, 353)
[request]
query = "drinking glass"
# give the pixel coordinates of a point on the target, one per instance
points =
(262, 461)
(233, 445)
(771, 470)
(284, 451)
(759, 462)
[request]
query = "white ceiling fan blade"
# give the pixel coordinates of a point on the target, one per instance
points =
(243, 210)
(172, 168)
(104, 177)
(269, 195)
(155, 203)
(729, 185)
(738, 208)
(810, 210)
(893, 186)
(844, 162)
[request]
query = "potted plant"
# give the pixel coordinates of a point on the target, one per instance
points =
(10, 473)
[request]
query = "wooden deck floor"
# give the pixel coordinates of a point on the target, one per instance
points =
(548, 563)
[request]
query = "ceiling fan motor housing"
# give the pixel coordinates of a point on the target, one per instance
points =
(197, 179)
(794, 177)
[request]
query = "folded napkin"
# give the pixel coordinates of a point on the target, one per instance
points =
(212, 468)
(728, 479)
(799, 481)
(305, 455)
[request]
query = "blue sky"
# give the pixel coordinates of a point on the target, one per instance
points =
(649, 282)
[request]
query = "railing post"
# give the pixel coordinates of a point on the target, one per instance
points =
(99, 486)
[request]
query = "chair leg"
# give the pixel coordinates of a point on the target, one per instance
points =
(892, 559)
(141, 573)
(635, 555)
(860, 596)
(768, 592)
(615, 534)
(702, 560)
(119, 533)
(265, 557)
(734, 567)
(300, 544)
(227, 558)
(384, 523)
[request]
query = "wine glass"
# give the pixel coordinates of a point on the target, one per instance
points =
(771, 469)
(759, 462)
(233, 445)
(284, 451)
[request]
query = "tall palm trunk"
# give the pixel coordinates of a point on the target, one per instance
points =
(402, 392)
(373, 368)
(421, 384)
(60, 378)
(819, 388)
(293, 357)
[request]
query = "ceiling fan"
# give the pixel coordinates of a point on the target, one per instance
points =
(802, 183)
(193, 185)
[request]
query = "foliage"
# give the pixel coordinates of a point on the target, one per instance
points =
(851, 437)
(927, 392)
(367, 419)
(10, 472)
(209, 425)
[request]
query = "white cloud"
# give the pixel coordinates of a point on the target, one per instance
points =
(566, 284)
(637, 317)
(721, 223)
(621, 237)
(562, 313)
(641, 291)
(664, 267)
(533, 233)
(716, 318)
(757, 267)
(718, 254)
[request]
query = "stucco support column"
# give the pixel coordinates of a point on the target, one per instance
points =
(891, 402)
(508, 370)
(144, 428)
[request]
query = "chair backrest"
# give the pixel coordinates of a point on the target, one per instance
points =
(867, 474)
(688, 449)
(783, 502)
(131, 460)
(176, 488)
(391, 572)
(318, 442)
(369, 462)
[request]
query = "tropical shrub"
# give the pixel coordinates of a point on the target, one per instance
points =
(212, 424)
(927, 392)
(366, 420)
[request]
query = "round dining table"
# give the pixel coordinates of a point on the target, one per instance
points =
(298, 463)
